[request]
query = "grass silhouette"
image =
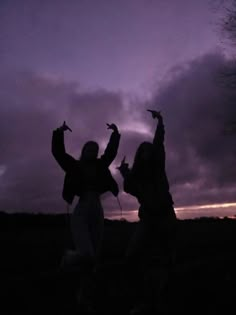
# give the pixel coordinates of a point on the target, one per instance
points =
(32, 247)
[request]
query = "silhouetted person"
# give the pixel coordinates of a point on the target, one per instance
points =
(151, 248)
(87, 177)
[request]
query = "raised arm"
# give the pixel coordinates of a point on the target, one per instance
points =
(129, 185)
(159, 137)
(65, 161)
(124, 168)
(112, 146)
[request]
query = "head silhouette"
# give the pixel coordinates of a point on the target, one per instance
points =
(90, 151)
(143, 157)
(144, 152)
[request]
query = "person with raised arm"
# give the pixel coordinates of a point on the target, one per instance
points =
(151, 249)
(87, 177)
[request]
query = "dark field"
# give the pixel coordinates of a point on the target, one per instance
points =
(203, 280)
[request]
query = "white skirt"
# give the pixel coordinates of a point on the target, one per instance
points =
(87, 224)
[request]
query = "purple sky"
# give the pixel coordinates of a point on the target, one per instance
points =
(123, 44)
(93, 62)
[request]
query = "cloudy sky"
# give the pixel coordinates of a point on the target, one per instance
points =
(93, 62)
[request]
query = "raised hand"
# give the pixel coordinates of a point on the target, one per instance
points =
(112, 127)
(64, 127)
(155, 114)
(123, 166)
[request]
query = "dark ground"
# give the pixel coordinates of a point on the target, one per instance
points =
(203, 280)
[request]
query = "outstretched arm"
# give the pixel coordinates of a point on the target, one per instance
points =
(130, 185)
(58, 149)
(124, 168)
(159, 137)
(160, 130)
(112, 147)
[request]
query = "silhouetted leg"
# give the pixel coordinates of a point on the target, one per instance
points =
(83, 248)
(87, 229)
(96, 225)
(96, 229)
(138, 242)
(80, 230)
(161, 261)
(135, 261)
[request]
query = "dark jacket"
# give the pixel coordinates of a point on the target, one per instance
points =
(153, 192)
(74, 179)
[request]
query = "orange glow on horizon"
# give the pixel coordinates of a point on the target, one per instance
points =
(206, 206)
(211, 206)
(217, 210)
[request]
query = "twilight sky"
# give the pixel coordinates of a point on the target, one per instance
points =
(93, 62)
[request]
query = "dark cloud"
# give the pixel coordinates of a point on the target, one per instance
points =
(197, 104)
(31, 107)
